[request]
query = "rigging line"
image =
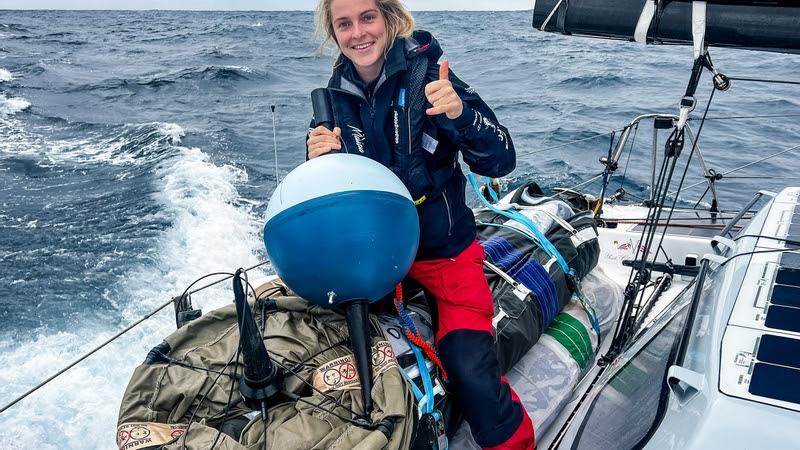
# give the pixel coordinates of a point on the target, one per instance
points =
(653, 212)
(329, 397)
(112, 339)
(628, 159)
(180, 363)
(763, 80)
(606, 177)
(299, 365)
(627, 308)
(208, 391)
(743, 167)
(82, 358)
(225, 415)
(319, 407)
(230, 275)
(701, 197)
(533, 152)
(706, 172)
(757, 252)
(581, 184)
(648, 235)
(688, 162)
(766, 116)
(774, 238)
(638, 221)
(760, 177)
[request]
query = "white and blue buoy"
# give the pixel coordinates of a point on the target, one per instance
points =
(341, 227)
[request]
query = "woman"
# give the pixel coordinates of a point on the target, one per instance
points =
(393, 103)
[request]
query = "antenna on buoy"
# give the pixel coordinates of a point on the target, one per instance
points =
(262, 383)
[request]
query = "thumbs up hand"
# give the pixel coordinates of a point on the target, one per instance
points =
(442, 96)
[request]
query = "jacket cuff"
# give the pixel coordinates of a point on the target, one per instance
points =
(466, 118)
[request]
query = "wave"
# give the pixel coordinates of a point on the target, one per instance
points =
(129, 145)
(208, 73)
(594, 81)
(13, 27)
(63, 143)
(215, 52)
(13, 105)
(208, 232)
(5, 75)
(216, 73)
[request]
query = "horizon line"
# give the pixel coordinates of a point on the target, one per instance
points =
(243, 10)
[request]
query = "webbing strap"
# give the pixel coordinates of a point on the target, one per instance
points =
(587, 307)
(544, 243)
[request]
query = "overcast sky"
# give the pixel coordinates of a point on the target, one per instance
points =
(231, 5)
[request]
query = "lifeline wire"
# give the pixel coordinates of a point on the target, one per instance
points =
(743, 166)
(533, 152)
(763, 80)
(112, 339)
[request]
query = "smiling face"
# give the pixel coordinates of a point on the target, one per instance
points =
(360, 31)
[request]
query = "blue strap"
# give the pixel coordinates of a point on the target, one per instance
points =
(545, 244)
(492, 192)
(414, 388)
(426, 378)
(427, 384)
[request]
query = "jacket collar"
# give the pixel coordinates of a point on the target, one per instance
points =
(420, 42)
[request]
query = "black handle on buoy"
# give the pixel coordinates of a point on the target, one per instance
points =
(357, 315)
(321, 105)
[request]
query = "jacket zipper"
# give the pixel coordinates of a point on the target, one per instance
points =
(408, 127)
(449, 216)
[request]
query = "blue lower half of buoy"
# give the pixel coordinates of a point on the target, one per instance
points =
(357, 244)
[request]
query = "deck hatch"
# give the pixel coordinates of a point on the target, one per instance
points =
(783, 318)
(779, 350)
(777, 382)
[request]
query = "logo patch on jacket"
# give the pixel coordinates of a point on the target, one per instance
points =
(429, 143)
(396, 128)
(359, 137)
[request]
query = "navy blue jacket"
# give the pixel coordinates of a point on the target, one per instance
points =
(377, 122)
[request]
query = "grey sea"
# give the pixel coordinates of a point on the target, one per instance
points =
(137, 154)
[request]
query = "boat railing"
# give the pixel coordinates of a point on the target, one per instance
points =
(660, 122)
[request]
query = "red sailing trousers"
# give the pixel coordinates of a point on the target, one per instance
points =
(466, 346)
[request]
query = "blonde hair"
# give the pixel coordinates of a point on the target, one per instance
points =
(399, 22)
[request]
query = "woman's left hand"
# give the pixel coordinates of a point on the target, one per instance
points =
(442, 96)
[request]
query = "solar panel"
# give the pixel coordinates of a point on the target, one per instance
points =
(790, 260)
(788, 276)
(779, 350)
(783, 318)
(794, 231)
(775, 382)
(785, 296)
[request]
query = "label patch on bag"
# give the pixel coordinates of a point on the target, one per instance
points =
(135, 435)
(429, 143)
(341, 374)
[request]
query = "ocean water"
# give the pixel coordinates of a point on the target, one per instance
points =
(136, 154)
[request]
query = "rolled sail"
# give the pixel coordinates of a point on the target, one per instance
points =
(770, 25)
